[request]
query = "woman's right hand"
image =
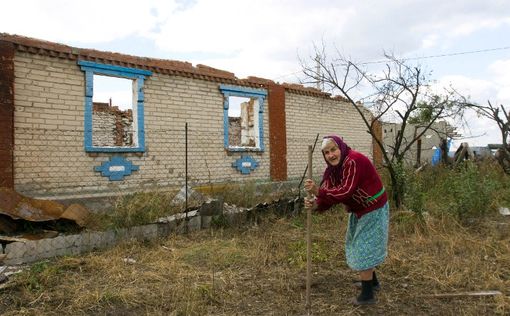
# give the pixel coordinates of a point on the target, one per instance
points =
(310, 203)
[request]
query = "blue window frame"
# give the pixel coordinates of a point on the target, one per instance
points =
(243, 119)
(137, 139)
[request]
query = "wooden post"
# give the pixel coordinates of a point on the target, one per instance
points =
(309, 238)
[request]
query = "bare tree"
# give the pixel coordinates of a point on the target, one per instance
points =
(398, 92)
(501, 116)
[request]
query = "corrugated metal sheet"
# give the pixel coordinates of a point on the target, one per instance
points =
(17, 206)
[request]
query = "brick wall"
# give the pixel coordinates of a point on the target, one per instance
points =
(50, 160)
(6, 114)
(376, 149)
(170, 102)
(234, 131)
(49, 156)
(429, 141)
(48, 127)
(111, 126)
(308, 115)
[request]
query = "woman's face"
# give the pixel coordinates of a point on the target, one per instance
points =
(332, 153)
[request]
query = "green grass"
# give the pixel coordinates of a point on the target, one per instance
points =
(135, 209)
(470, 190)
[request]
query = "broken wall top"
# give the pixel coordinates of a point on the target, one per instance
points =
(164, 66)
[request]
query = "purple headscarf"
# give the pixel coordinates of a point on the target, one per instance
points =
(335, 172)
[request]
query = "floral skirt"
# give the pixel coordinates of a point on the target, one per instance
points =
(366, 240)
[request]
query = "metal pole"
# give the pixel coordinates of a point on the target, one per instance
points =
(186, 167)
(309, 238)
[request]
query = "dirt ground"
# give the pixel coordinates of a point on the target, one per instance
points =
(259, 269)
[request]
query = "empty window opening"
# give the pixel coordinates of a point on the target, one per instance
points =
(243, 122)
(112, 112)
(243, 118)
(114, 107)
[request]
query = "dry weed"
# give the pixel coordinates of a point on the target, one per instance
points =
(259, 270)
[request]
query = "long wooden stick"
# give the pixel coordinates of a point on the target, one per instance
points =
(479, 293)
(306, 169)
(309, 238)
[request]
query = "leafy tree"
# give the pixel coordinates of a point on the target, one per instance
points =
(424, 115)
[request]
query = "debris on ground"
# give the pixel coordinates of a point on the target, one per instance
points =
(6, 272)
(478, 293)
(129, 260)
(504, 211)
(193, 195)
(15, 209)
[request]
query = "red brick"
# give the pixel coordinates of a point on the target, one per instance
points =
(277, 132)
(377, 153)
(6, 114)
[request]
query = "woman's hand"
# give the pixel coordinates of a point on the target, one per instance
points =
(311, 187)
(310, 203)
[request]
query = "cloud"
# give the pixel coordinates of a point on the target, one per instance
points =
(495, 89)
(264, 37)
(480, 130)
(92, 21)
(477, 90)
(257, 37)
(500, 71)
(262, 28)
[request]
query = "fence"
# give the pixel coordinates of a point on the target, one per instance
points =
(52, 163)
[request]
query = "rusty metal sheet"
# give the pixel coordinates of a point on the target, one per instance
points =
(77, 213)
(17, 206)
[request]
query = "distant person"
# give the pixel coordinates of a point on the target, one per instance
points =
(350, 178)
(503, 159)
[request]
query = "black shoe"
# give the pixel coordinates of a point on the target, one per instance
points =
(356, 301)
(376, 287)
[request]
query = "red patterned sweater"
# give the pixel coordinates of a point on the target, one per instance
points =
(361, 189)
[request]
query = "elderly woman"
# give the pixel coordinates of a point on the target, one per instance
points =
(350, 178)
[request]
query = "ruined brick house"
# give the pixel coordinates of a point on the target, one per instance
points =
(423, 150)
(57, 141)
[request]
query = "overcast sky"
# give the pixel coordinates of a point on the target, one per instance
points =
(470, 39)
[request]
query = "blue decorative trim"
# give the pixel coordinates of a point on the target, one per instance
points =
(245, 164)
(242, 91)
(117, 168)
(140, 113)
(89, 92)
(225, 125)
(236, 91)
(261, 123)
(113, 69)
(138, 76)
(245, 149)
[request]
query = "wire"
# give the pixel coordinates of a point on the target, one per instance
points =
(442, 55)
(418, 58)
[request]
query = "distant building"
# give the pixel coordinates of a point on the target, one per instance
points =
(480, 152)
(423, 149)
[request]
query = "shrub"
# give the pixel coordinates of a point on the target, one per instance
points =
(135, 209)
(469, 190)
